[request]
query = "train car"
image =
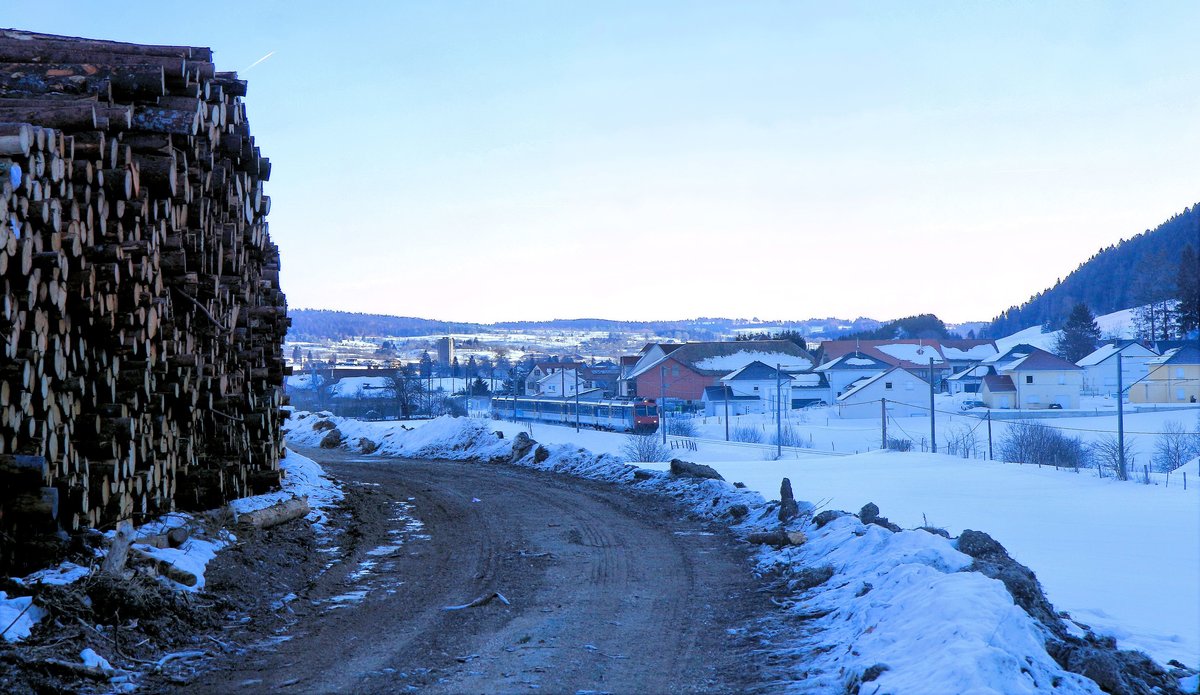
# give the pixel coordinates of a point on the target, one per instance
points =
(640, 416)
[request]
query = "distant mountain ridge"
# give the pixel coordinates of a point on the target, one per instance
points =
(1108, 281)
(325, 324)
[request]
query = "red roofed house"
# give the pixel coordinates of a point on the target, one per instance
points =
(682, 372)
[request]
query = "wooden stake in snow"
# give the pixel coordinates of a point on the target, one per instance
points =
(118, 552)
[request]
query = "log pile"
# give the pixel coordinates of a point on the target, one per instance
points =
(141, 319)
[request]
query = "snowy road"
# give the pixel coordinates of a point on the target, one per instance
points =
(607, 591)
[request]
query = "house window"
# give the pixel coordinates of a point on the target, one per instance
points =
(675, 371)
(1179, 395)
(1179, 372)
(1029, 379)
(1033, 400)
(755, 388)
(887, 385)
(1062, 379)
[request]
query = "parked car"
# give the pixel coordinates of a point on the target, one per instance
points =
(967, 405)
(1054, 406)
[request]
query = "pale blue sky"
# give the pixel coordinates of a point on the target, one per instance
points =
(530, 160)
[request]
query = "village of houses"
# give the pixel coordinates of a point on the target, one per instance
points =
(849, 380)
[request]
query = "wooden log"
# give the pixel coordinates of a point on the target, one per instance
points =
(278, 513)
(15, 138)
(67, 117)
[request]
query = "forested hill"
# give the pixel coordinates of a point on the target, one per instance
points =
(322, 324)
(1132, 273)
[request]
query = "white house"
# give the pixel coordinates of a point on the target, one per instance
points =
(841, 372)
(906, 393)
(560, 383)
(809, 388)
(763, 382)
(969, 380)
(1100, 367)
(1043, 380)
(715, 398)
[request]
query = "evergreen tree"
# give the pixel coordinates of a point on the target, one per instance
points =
(1187, 291)
(1079, 335)
(426, 368)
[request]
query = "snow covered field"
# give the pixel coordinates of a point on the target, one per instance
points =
(1121, 557)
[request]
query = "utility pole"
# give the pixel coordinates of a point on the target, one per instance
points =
(778, 411)
(989, 419)
(1120, 419)
(662, 401)
(562, 389)
(576, 398)
(932, 412)
(726, 411)
(883, 418)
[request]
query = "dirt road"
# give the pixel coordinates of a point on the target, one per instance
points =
(603, 591)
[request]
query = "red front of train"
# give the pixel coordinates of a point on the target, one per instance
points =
(645, 416)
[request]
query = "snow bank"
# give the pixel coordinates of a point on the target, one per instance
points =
(303, 477)
(898, 609)
(18, 616)
(902, 601)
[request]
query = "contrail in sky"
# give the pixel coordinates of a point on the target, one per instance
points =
(260, 60)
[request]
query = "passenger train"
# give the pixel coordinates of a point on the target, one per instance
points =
(640, 416)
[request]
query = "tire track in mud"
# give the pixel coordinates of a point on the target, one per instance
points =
(609, 591)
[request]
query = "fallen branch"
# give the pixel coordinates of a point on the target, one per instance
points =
(14, 622)
(481, 601)
(202, 308)
(178, 655)
(50, 664)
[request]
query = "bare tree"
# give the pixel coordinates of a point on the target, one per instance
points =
(962, 441)
(1108, 456)
(1174, 447)
(644, 447)
(1031, 442)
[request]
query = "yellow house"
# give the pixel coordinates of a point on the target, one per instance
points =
(1173, 378)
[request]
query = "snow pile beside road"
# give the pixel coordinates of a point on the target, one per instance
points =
(904, 611)
(455, 439)
(900, 612)
(303, 477)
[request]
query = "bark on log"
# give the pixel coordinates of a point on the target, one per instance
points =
(276, 514)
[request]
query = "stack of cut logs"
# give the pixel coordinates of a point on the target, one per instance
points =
(141, 320)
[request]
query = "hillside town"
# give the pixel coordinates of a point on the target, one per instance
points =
(741, 377)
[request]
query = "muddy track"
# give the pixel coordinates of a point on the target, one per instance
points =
(607, 591)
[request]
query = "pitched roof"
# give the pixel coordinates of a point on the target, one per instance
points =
(717, 393)
(977, 372)
(1013, 353)
(908, 353)
(968, 349)
(758, 371)
(1041, 361)
(1109, 350)
(854, 360)
(996, 383)
(864, 383)
(1188, 354)
(720, 358)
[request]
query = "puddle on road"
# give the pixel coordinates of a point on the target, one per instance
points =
(374, 573)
